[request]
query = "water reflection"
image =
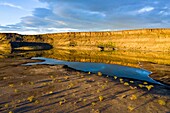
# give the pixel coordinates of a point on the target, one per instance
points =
(126, 58)
(106, 69)
(157, 62)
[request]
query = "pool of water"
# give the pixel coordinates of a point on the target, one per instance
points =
(106, 69)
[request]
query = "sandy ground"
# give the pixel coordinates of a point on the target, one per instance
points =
(160, 72)
(58, 89)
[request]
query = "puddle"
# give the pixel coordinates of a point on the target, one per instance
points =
(106, 69)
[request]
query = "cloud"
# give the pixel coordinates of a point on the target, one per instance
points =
(94, 15)
(32, 30)
(145, 10)
(10, 5)
(164, 13)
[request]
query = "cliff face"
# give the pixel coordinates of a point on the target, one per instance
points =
(144, 39)
(5, 47)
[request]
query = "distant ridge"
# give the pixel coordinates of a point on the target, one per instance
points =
(131, 30)
(157, 39)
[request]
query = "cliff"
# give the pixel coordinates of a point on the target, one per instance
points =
(5, 46)
(142, 39)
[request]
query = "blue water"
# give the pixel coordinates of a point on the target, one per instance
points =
(106, 69)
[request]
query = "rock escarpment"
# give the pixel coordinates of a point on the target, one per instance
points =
(5, 46)
(142, 39)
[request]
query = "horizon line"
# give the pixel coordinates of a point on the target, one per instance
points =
(83, 31)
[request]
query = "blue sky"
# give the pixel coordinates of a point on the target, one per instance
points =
(50, 16)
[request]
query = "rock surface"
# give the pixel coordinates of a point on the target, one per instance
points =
(143, 39)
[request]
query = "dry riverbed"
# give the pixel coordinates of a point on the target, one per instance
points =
(58, 89)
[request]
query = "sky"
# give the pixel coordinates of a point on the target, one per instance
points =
(52, 16)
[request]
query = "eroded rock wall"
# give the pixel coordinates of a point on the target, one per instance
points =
(5, 47)
(142, 39)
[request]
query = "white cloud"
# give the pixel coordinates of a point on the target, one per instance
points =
(145, 9)
(164, 13)
(95, 13)
(61, 29)
(49, 30)
(56, 21)
(35, 30)
(11, 5)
